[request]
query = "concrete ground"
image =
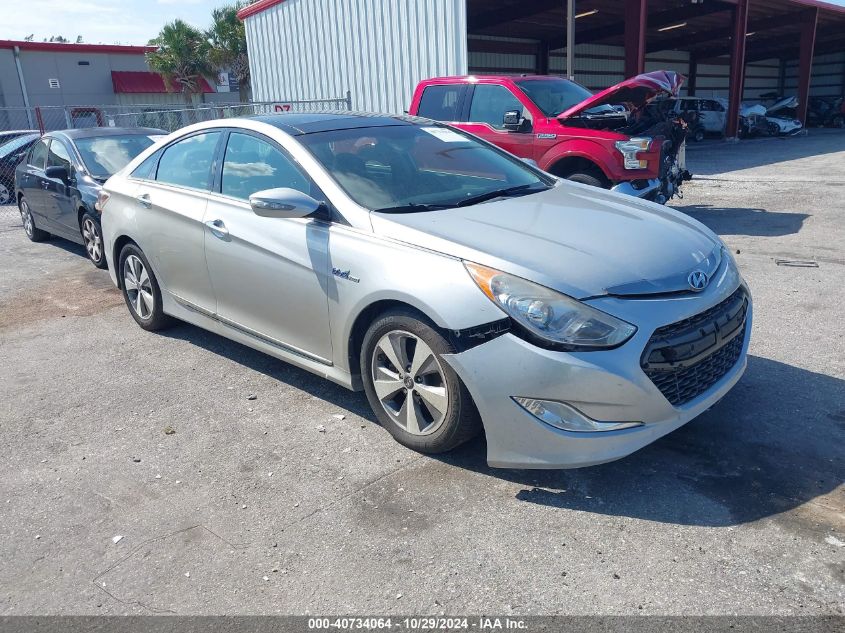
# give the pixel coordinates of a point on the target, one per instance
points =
(249, 508)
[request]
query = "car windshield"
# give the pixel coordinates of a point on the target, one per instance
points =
(410, 168)
(555, 96)
(16, 144)
(105, 155)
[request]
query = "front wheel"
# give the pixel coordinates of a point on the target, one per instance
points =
(141, 290)
(32, 232)
(92, 237)
(414, 393)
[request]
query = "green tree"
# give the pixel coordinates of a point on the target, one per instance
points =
(182, 59)
(228, 45)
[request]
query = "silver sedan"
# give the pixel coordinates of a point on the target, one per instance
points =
(462, 289)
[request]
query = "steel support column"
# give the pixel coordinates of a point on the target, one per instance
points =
(693, 74)
(543, 50)
(737, 78)
(570, 40)
(805, 61)
(636, 19)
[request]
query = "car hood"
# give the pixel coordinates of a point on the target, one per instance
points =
(636, 91)
(783, 104)
(577, 239)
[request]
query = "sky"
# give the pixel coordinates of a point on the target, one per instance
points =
(101, 21)
(109, 21)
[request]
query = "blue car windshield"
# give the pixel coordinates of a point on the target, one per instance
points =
(410, 168)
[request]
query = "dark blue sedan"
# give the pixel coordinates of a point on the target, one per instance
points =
(58, 183)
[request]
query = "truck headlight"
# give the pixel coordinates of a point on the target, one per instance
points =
(631, 148)
(551, 319)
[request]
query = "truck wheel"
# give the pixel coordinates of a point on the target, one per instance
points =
(587, 179)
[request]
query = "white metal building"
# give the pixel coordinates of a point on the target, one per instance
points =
(377, 49)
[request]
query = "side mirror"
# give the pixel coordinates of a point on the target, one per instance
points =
(512, 120)
(17, 158)
(58, 173)
(282, 203)
(530, 161)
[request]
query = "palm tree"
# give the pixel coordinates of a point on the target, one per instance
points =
(228, 45)
(182, 59)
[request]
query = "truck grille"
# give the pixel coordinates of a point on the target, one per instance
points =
(686, 358)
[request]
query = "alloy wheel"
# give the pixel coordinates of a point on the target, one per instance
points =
(92, 238)
(26, 218)
(409, 382)
(5, 194)
(138, 287)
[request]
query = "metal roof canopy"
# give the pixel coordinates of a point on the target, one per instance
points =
(707, 29)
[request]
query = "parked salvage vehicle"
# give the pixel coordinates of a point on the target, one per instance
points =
(11, 154)
(712, 115)
(569, 132)
(781, 115)
(462, 288)
(56, 187)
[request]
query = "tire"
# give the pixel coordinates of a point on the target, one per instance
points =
(442, 415)
(141, 290)
(698, 136)
(6, 193)
(92, 238)
(32, 232)
(587, 179)
(839, 121)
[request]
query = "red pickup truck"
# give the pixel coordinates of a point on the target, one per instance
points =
(626, 138)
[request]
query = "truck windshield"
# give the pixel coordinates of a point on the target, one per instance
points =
(553, 95)
(412, 168)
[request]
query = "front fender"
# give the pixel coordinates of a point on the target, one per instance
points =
(369, 269)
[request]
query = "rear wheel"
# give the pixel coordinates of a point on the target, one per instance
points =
(92, 237)
(585, 178)
(32, 231)
(141, 290)
(414, 393)
(5, 193)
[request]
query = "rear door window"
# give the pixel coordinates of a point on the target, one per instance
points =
(489, 104)
(38, 154)
(187, 163)
(442, 103)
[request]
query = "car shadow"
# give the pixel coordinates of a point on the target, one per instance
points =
(774, 443)
(745, 221)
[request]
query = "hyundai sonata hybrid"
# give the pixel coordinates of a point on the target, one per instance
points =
(461, 288)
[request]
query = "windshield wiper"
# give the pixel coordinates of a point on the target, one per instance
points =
(501, 193)
(413, 207)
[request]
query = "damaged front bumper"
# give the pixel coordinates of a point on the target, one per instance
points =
(603, 386)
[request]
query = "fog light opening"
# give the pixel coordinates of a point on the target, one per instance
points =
(568, 418)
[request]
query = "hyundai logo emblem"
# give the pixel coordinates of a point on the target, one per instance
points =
(697, 280)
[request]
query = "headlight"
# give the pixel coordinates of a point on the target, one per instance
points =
(631, 148)
(550, 316)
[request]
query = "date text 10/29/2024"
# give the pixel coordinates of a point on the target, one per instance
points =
(424, 623)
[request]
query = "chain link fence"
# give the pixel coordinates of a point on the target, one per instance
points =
(20, 127)
(168, 117)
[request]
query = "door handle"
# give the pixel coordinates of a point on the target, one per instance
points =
(218, 228)
(144, 200)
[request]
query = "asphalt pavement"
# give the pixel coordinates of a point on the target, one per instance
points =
(183, 473)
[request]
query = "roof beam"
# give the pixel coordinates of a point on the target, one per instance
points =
(510, 11)
(683, 41)
(655, 20)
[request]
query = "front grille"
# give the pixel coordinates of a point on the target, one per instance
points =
(686, 358)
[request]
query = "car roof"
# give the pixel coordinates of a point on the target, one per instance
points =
(298, 123)
(90, 132)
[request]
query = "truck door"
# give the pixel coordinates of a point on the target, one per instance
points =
(486, 115)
